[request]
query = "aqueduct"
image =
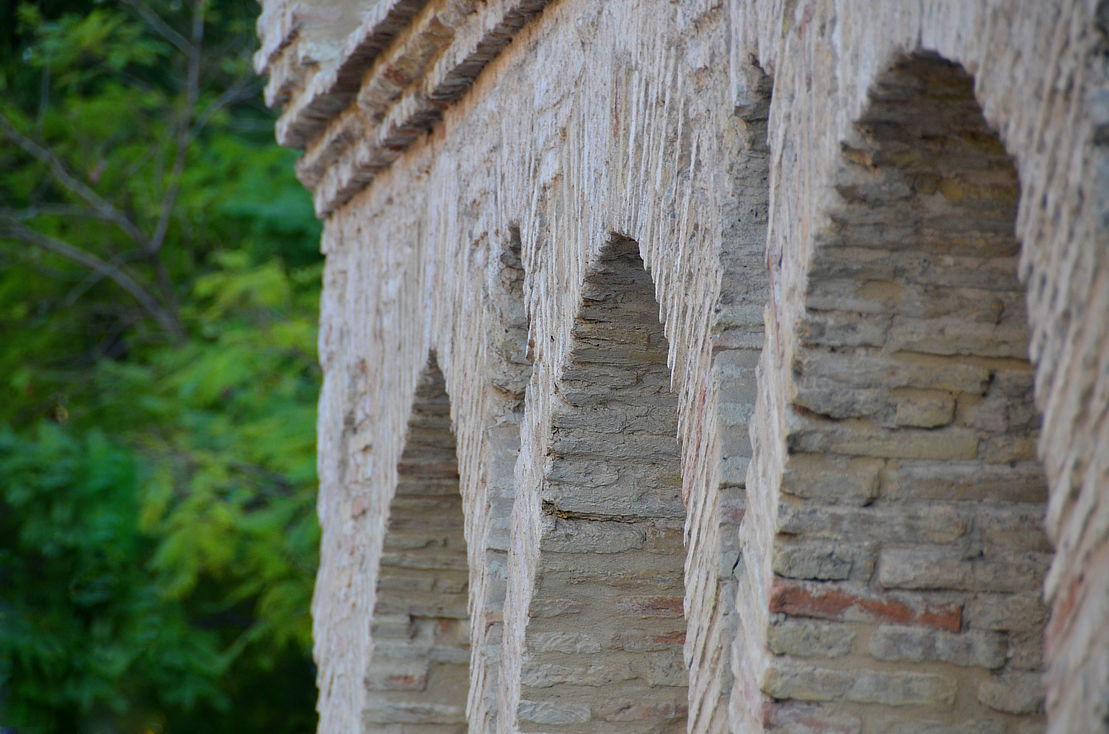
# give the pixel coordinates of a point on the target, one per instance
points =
(708, 366)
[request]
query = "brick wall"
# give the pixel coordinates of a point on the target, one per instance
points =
(909, 551)
(603, 647)
(876, 237)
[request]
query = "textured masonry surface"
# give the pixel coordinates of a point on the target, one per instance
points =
(917, 269)
(419, 665)
(604, 640)
(715, 365)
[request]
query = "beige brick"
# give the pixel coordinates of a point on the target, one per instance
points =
(923, 408)
(1020, 693)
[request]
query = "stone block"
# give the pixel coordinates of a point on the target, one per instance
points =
(929, 567)
(383, 711)
(819, 560)
(787, 679)
(828, 398)
(561, 535)
(564, 642)
(832, 479)
(667, 668)
(919, 644)
(1026, 650)
(397, 675)
(807, 638)
(923, 408)
(1009, 449)
(552, 713)
(954, 335)
(963, 480)
(641, 711)
(791, 717)
(971, 726)
(866, 369)
(597, 671)
(863, 438)
(649, 640)
(1007, 612)
(844, 329)
(903, 523)
(650, 606)
(1013, 693)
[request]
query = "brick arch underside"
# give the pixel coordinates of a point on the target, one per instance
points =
(419, 669)
(507, 331)
(603, 646)
(910, 553)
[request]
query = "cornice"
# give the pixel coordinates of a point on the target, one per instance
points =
(355, 103)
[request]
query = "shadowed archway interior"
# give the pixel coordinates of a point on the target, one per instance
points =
(606, 629)
(419, 669)
(910, 554)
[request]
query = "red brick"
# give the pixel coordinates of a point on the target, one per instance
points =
(651, 606)
(826, 601)
(637, 639)
(405, 683)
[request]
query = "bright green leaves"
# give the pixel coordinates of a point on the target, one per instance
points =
(72, 46)
(85, 631)
(157, 485)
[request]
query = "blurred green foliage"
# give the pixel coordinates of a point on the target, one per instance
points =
(159, 282)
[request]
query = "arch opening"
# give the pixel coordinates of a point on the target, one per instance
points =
(606, 627)
(910, 553)
(419, 670)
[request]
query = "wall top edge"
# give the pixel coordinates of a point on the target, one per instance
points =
(354, 99)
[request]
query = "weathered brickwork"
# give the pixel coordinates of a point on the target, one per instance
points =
(603, 648)
(419, 667)
(776, 341)
(911, 366)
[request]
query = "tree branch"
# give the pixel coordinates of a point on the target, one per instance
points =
(156, 22)
(51, 210)
(184, 128)
(243, 88)
(71, 182)
(93, 277)
(165, 318)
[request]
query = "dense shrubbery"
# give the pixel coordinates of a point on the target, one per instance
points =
(158, 290)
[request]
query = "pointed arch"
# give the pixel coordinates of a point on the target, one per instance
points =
(419, 666)
(910, 553)
(606, 629)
